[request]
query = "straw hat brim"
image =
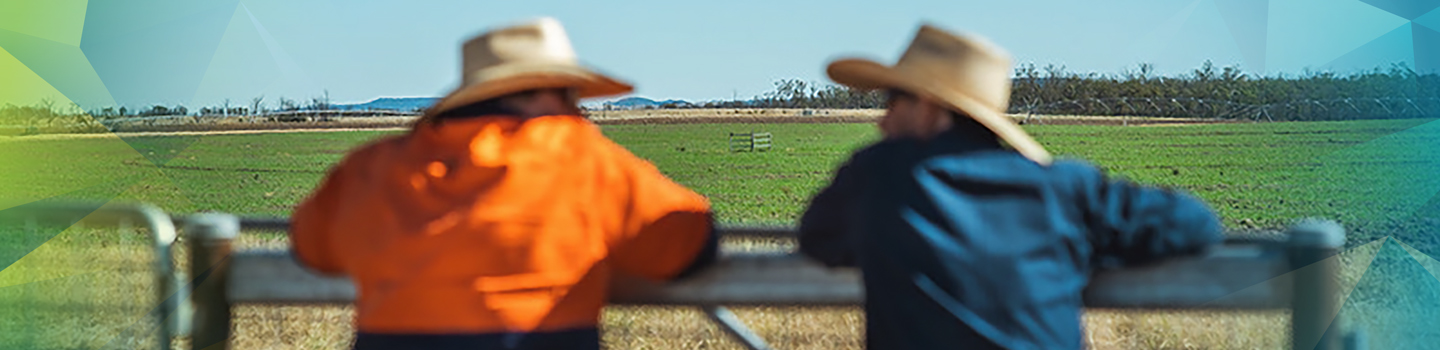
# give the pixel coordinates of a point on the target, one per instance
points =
(502, 80)
(865, 74)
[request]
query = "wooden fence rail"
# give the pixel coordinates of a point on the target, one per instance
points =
(1296, 273)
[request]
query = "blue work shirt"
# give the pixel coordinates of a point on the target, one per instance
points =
(963, 244)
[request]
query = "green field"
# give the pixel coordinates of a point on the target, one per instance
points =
(1376, 177)
(1260, 175)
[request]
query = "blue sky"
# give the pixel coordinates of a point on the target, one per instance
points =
(201, 52)
(711, 50)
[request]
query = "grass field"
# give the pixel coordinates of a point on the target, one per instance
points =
(1366, 174)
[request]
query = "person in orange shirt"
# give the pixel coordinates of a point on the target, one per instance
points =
(500, 219)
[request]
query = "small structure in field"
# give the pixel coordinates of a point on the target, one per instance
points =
(751, 141)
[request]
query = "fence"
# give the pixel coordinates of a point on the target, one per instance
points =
(750, 142)
(1246, 273)
(172, 309)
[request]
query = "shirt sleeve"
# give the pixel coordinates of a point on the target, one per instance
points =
(1132, 224)
(825, 235)
(311, 225)
(667, 229)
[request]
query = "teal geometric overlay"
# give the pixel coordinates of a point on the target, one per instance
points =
(138, 54)
(1410, 9)
(1325, 27)
(1427, 45)
(1246, 20)
(1395, 46)
(153, 59)
(1396, 301)
(1431, 19)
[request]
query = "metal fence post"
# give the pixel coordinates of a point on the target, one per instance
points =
(752, 140)
(1312, 243)
(210, 236)
(733, 326)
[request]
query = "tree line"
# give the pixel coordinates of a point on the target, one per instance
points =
(255, 106)
(1394, 91)
(1208, 91)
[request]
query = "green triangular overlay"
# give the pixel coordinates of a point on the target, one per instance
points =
(160, 190)
(62, 66)
(43, 166)
(84, 311)
(160, 149)
(37, 169)
(55, 20)
(81, 286)
(25, 255)
(1396, 303)
(22, 86)
(19, 235)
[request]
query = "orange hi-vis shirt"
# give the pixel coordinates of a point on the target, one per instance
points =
(495, 224)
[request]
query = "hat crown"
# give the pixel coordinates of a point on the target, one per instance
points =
(539, 41)
(964, 64)
(526, 56)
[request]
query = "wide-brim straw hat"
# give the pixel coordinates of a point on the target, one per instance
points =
(532, 55)
(965, 73)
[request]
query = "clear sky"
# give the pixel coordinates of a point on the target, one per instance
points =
(710, 50)
(200, 52)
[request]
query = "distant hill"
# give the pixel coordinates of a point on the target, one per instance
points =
(414, 103)
(392, 103)
(640, 102)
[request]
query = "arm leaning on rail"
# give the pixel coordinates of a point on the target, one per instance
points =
(824, 235)
(707, 256)
(1131, 224)
(666, 228)
(311, 224)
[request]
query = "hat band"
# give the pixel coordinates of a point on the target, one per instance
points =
(931, 85)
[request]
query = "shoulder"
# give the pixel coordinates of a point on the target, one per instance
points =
(1073, 168)
(368, 152)
(885, 153)
(1076, 177)
(589, 144)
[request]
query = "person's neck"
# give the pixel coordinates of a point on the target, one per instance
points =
(969, 135)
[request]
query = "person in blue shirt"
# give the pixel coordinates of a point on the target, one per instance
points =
(963, 242)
